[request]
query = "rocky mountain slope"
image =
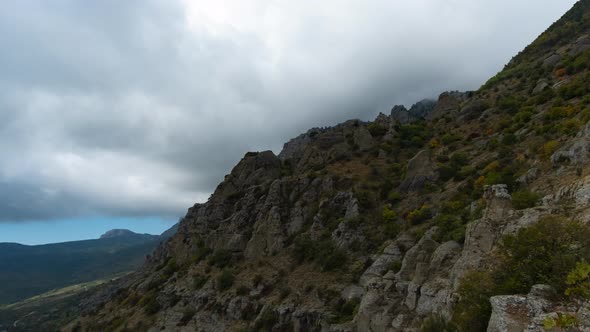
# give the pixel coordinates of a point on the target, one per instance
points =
(467, 213)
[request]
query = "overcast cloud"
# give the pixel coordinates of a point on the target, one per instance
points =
(138, 108)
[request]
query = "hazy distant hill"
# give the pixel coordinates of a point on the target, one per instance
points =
(31, 270)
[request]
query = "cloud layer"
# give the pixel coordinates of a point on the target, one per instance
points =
(138, 108)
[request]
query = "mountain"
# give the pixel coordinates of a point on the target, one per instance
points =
(121, 233)
(469, 214)
(32, 270)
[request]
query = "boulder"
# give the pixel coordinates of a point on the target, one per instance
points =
(552, 60)
(420, 170)
(542, 84)
(577, 152)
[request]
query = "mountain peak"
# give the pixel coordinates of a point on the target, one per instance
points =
(117, 233)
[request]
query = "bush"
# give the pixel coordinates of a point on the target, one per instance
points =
(509, 104)
(450, 228)
(394, 197)
(200, 253)
(344, 311)
(225, 280)
(284, 292)
(472, 311)
(563, 242)
(187, 315)
(395, 266)
(268, 319)
(419, 215)
(199, 281)
(549, 148)
(220, 258)
(455, 167)
(377, 130)
(437, 323)
(545, 253)
(388, 215)
(578, 281)
(322, 252)
(413, 135)
(524, 199)
(243, 290)
(509, 139)
(150, 303)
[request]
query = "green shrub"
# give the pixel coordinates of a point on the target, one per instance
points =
(419, 215)
(268, 319)
(388, 215)
(450, 228)
(395, 266)
(344, 311)
(199, 281)
(413, 135)
(284, 292)
(563, 322)
(170, 269)
(578, 281)
(187, 315)
(376, 129)
(200, 253)
(437, 323)
(472, 311)
(524, 199)
(456, 168)
(563, 243)
(394, 197)
(243, 290)
(225, 280)
(509, 104)
(447, 139)
(322, 252)
(220, 258)
(550, 147)
(150, 303)
(544, 253)
(459, 159)
(509, 139)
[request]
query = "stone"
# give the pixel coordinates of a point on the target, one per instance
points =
(542, 84)
(448, 102)
(552, 60)
(509, 313)
(420, 170)
(530, 176)
(576, 152)
(352, 292)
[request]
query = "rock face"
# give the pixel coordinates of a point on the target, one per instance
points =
(532, 312)
(448, 103)
(576, 152)
(418, 111)
(420, 170)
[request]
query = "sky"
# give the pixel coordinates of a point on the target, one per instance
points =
(123, 114)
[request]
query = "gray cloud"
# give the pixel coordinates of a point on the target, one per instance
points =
(138, 108)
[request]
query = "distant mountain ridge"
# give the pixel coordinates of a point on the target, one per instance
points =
(28, 270)
(122, 232)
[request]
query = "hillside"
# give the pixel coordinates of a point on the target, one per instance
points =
(32, 270)
(467, 213)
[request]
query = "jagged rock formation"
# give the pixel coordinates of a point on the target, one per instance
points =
(372, 226)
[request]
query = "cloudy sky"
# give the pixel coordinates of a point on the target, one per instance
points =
(127, 112)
